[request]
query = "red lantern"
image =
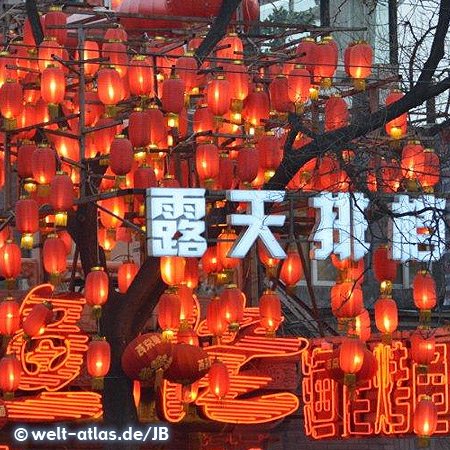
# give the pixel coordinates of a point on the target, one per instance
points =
(351, 358)
(336, 113)
(98, 361)
(96, 288)
(265, 258)
(232, 302)
(191, 273)
(299, 84)
(256, 107)
(61, 197)
(90, 51)
(187, 336)
(218, 96)
(140, 76)
(425, 420)
(116, 52)
(43, 165)
(291, 269)
(306, 51)
(346, 300)
(424, 294)
(226, 172)
(237, 76)
(247, 163)
(207, 162)
(9, 317)
(270, 312)
(412, 159)
(158, 128)
(359, 63)
(172, 269)
(10, 261)
(186, 301)
(55, 257)
(385, 269)
(361, 326)
(27, 220)
(219, 379)
(210, 260)
(225, 242)
(6, 73)
(67, 240)
(55, 17)
(26, 118)
(279, 94)
(386, 317)
(125, 275)
(326, 61)
(121, 156)
(53, 87)
(186, 68)
(10, 374)
(396, 128)
(230, 47)
(215, 320)
(40, 316)
(169, 309)
(138, 125)
(117, 206)
(269, 152)
(172, 98)
(11, 102)
(427, 170)
(48, 48)
(422, 349)
(109, 87)
(203, 120)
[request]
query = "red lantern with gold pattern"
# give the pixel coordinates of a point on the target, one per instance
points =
(172, 269)
(125, 275)
(98, 361)
(10, 374)
(219, 379)
(425, 420)
(291, 269)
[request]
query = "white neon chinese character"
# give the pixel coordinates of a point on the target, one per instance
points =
(341, 227)
(420, 224)
(257, 222)
(172, 212)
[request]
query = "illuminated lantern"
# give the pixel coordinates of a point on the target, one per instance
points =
(48, 48)
(61, 197)
(43, 166)
(268, 262)
(203, 120)
(9, 317)
(96, 289)
(11, 102)
(103, 138)
(54, 257)
(158, 129)
(346, 300)
(109, 88)
(360, 60)
(256, 107)
(230, 47)
(247, 163)
(291, 269)
(237, 75)
(25, 119)
(384, 268)
(10, 374)
(172, 98)
(6, 73)
(269, 152)
(210, 260)
(55, 17)
(425, 420)
(117, 33)
(424, 294)
(169, 309)
(306, 53)
(207, 162)
(116, 52)
(187, 336)
(90, 51)
(215, 321)
(169, 181)
(172, 269)
(27, 220)
(105, 239)
(361, 326)
(121, 156)
(218, 96)
(422, 349)
(125, 275)
(40, 316)
(336, 113)
(427, 170)
(191, 273)
(186, 68)
(225, 242)
(138, 124)
(396, 128)
(117, 206)
(219, 379)
(10, 261)
(226, 172)
(53, 88)
(232, 302)
(351, 358)
(270, 312)
(140, 76)
(279, 94)
(98, 361)
(386, 317)
(412, 159)
(326, 61)
(67, 240)
(187, 302)
(299, 85)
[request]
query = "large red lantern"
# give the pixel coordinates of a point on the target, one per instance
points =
(351, 358)
(207, 162)
(247, 163)
(424, 294)
(191, 273)
(10, 262)
(121, 156)
(425, 420)
(53, 88)
(169, 309)
(219, 379)
(336, 113)
(55, 257)
(43, 166)
(359, 63)
(306, 53)
(346, 300)
(291, 269)
(98, 361)
(326, 61)
(225, 242)
(27, 220)
(215, 321)
(11, 102)
(172, 269)
(396, 128)
(299, 85)
(232, 302)
(386, 317)
(110, 91)
(48, 48)
(125, 275)
(384, 268)
(96, 288)
(10, 374)
(422, 349)
(270, 312)
(9, 317)
(56, 18)
(279, 94)
(218, 96)
(61, 197)
(172, 97)
(40, 316)
(140, 76)
(186, 68)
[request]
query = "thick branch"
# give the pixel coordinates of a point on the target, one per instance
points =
(35, 22)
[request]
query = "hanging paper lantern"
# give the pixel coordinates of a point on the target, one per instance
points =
(336, 113)
(230, 47)
(361, 326)
(140, 76)
(422, 349)
(67, 240)
(125, 275)
(279, 94)
(9, 317)
(116, 52)
(172, 98)
(386, 317)
(40, 316)
(169, 309)
(187, 302)
(5, 72)
(25, 119)
(10, 262)
(427, 170)
(187, 335)
(98, 361)
(109, 88)
(169, 181)
(299, 85)
(53, 88)
(265, 258)
(247, 163)
(425, 420)
(90, 51)
(191, 273)
(210, 260)
(207, 162)
(359, 64)
(96, 288)
(326, 61)
(61, 197)
(291, 269)
(306, 53)
(219, 379)
(48, 48)
(424, 294)
(270, 312)
(117, 206)
(121, 156)
(106, 239)
(215, 320)
(218, 96)
(172, 269)
(351, 358)
(186, 68)
(43, 166)
(11, 102)
(396, 128)
(203, 120)
(27, 220)
(256, 107)
(346, 300)
(225, 242)
(158, 128)
(232, 302)
(385, 269)
(54, 257)
(226, 172)
(10, 374)
(237, 75)
(412, 159)
(55, 17)
(269, 152)
(138, 125)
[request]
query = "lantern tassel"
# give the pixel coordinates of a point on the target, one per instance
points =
(423, 442)
(26, 241)
(425, 316)
(43, 190)
(61, 219)
(360, 84)
(10, 283)
(53, 110)
(8, 395)
(55, 279)
(96, 312)
(97, 383)
(387, 339)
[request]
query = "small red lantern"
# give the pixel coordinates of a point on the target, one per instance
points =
(226, 172)
(67, 240)
(396, 128)
(191, 273)
(218, 96)
(187, 336)
(386, 317)
(96, 288)
(385, 269)
(207, 162)
(412, 159)
(219, 379)
(187, 302)
(326, 61)
(125, 275)
(359, 63)
(55, 17)
(116, 52)
(336, 113)
(270, 312)
(109, 88)
(6, 73)
(172, 97)
(279, 94)
(225, 242)
(210, 260)
(27, 220)
(256, 107)
(24, 156)
(351, 358)
(10, 374)
(215, 320)
(247, 163)
(237, 76)
(346, 300)
(158, 128)
(427, 171)
(48, 48)
(424, 294)
(140, 76)
(425, 420)
(54, 256)
(306, 51)
(230, 47)
(299, 84)
(61, 197)
(10, 262)
(422, 349)
(9, 317)
(11, 102)
(169, 309)
(53, 88)
(232, 302)
(40, 316)
(172, 269)
(117, 206)
(186, 68)
(203, 120)
(266, 260)
(269, 152)
(138, 125)
(121, 156)
(291, 269)
(43, 166)
(90, 51)
(98, 361)
(361, 326)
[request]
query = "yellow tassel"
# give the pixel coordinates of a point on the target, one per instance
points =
(26, 241)
(97, 383)
(61, 219)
